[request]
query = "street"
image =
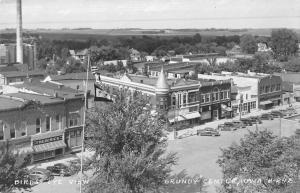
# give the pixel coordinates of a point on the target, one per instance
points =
(197, 155)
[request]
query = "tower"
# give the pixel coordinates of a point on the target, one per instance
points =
(19, 33)
(162, 92)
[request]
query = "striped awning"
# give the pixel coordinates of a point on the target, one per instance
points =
(188, 116)
(49, 146)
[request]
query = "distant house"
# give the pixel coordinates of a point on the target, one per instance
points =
(290, 86)
(263, 47)
(298, 51)
(79, 55)
(150, 58)
(234, 51)
(115, 62)
(9, 77)
(135, 55)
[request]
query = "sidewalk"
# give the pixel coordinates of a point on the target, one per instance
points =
(65, 160)
(214, 124)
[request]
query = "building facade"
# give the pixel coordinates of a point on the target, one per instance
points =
(257, 90)
(182, 100)
(42, 119)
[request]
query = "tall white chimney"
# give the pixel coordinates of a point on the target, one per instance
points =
(19, 33)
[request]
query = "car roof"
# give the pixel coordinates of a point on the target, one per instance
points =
(38, 170)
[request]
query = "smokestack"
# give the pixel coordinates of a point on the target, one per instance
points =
(19, 33)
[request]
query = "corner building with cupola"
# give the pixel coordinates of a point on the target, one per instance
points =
(183, 101)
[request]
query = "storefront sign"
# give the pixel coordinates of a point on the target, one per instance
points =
(47, 140)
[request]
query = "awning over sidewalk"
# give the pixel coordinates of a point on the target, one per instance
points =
(49, 146)
(265, 102)
(185, 117)
(225, 108)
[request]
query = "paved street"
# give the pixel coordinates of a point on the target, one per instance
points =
(197, 154)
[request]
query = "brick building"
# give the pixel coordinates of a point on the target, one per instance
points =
(258, 90)
(182, 100)
(42, 119)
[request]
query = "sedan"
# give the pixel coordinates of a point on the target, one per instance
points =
(266, 117)
(59, 169)
(40, 175)
(247, 121)
(255, 119)
(208, 132)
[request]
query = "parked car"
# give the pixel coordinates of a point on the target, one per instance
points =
(239, 124)
(266, 116)
(277, 114)
(40, 175)
(208, 131)
(227, 126)
(246, 121)
(187, 134)
(255, 119)
(59, 169)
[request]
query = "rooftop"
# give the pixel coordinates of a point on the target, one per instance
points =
(50, 88)
(172, 67)
(8, 103)
(36, 97)
(21, 73)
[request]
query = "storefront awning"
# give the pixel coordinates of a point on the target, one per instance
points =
(49, 146)
(185, 117)
(225, 108)
(265, 102)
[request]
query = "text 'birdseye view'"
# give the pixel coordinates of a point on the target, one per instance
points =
(130, 96)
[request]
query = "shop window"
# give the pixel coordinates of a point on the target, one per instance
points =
(38, 125)
(48, 123)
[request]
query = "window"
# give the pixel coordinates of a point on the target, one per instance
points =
(246, 96)
(222, 95)
(262, 89)
(267, 89)
(217, 96)
(272, 87)
(192, 97)
(207, 97)
(12, 133)
(48, 123)
(193, 109)
(38, 125)
(184, 99)
(202, 98)
(73, 122)
(245, 106)
(23, 128)
(2, 131)
(278, 87)
(173, 100)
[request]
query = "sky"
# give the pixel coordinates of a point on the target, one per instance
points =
(152, 14)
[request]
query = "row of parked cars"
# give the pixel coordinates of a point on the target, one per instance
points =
(42, 175)
(244, 122)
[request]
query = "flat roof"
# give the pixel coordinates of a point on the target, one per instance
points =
(50, 89)
(21, 73)
(7, 104)
(36, 97)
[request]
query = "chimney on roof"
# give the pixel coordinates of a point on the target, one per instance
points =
(60, 86)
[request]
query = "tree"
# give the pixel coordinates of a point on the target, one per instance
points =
(283, 43)
(130, 155)
(262, 157)
(13, 170)
(293, 65)
(248, 44)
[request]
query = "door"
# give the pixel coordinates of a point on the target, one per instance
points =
(215, 114)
